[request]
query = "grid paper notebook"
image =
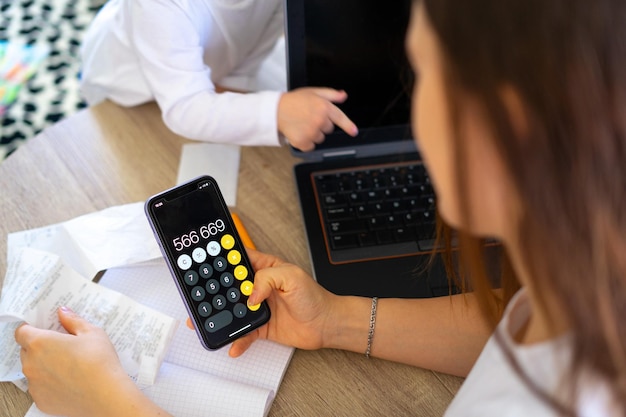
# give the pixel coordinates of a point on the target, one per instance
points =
(192, 381)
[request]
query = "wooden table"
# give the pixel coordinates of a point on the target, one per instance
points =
(109, 155)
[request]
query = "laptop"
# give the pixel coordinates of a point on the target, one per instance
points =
(367, 203)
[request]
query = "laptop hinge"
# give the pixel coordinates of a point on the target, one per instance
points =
(339, 154)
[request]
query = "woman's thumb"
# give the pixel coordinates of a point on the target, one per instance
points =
(72, 322)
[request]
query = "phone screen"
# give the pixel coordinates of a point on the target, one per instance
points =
(207, 260)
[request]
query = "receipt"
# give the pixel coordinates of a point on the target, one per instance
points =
(40, 283)
(54, 266)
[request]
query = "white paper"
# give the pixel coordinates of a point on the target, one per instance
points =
(120, 235)
(262, 365)
(38, 283)
(221, 161)
(52, 266)
(192, 381)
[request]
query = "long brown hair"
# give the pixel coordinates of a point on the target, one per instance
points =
(567, 61)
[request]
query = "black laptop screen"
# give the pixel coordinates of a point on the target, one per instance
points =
(357, 46)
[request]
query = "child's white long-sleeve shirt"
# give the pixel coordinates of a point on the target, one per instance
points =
(177, 51)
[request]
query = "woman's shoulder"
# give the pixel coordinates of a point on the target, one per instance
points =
(511, 379)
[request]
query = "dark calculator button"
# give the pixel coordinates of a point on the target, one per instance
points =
(240, 310)
(212, 286)
(219, 302)
(218, 321)
(205, 309)
(220, 264)
(191, 277)
(206, 271)
(197, 293)
(227, 279)
(233, 295)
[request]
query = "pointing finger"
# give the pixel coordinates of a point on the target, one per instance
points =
(339, 118)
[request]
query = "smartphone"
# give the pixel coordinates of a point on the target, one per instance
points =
(207, 260)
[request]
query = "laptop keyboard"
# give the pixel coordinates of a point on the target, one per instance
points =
(376, 212)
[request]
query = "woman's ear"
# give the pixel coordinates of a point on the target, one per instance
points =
(516, 110)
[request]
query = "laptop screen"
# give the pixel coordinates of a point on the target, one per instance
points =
(357, 46)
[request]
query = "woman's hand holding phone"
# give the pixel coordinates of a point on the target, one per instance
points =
(302, 310)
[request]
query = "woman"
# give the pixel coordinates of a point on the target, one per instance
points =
(520, 111)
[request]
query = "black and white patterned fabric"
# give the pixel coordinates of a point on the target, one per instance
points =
(52, 93)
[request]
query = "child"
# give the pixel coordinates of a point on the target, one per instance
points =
(196, 59)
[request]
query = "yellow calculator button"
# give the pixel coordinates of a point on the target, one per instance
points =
(246, 288)
(241, 272)
(227, 241)
(254, 307)
(234, 257)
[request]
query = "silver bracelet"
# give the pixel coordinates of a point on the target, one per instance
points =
(370, 333)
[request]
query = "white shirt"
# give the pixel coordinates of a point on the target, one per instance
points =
(176, 51)
(493, 388)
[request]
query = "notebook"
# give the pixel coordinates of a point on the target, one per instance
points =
(358, 46)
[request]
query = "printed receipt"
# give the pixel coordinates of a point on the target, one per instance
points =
(39, 281)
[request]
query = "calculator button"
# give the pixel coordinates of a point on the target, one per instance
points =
(227, 279)
(197, 293)
(184, 262)
(241, 272)
(233, 295)
(205, 309)
(240, 310)
(198, 255)
(220, 264)
(246, 288)
(191, 277)
(254, 307)
(206, 271)
(234, 257)
(218, 321)
(227, 242)
(212, 286)
(219, 302)
(213, 248)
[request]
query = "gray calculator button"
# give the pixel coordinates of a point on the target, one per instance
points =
(212, 286)
(227, 279)
(220, 264)
(233, 295)
(184, 262)
(205, 309)
(206, 271)
(197, 293)
(213, 248)
(218, 321)
(191, 277)
(198, 255)
(240, 310)
(219, 302)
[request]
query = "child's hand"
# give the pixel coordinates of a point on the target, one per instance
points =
(305, 115)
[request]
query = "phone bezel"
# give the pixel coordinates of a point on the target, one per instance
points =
(222, 337)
